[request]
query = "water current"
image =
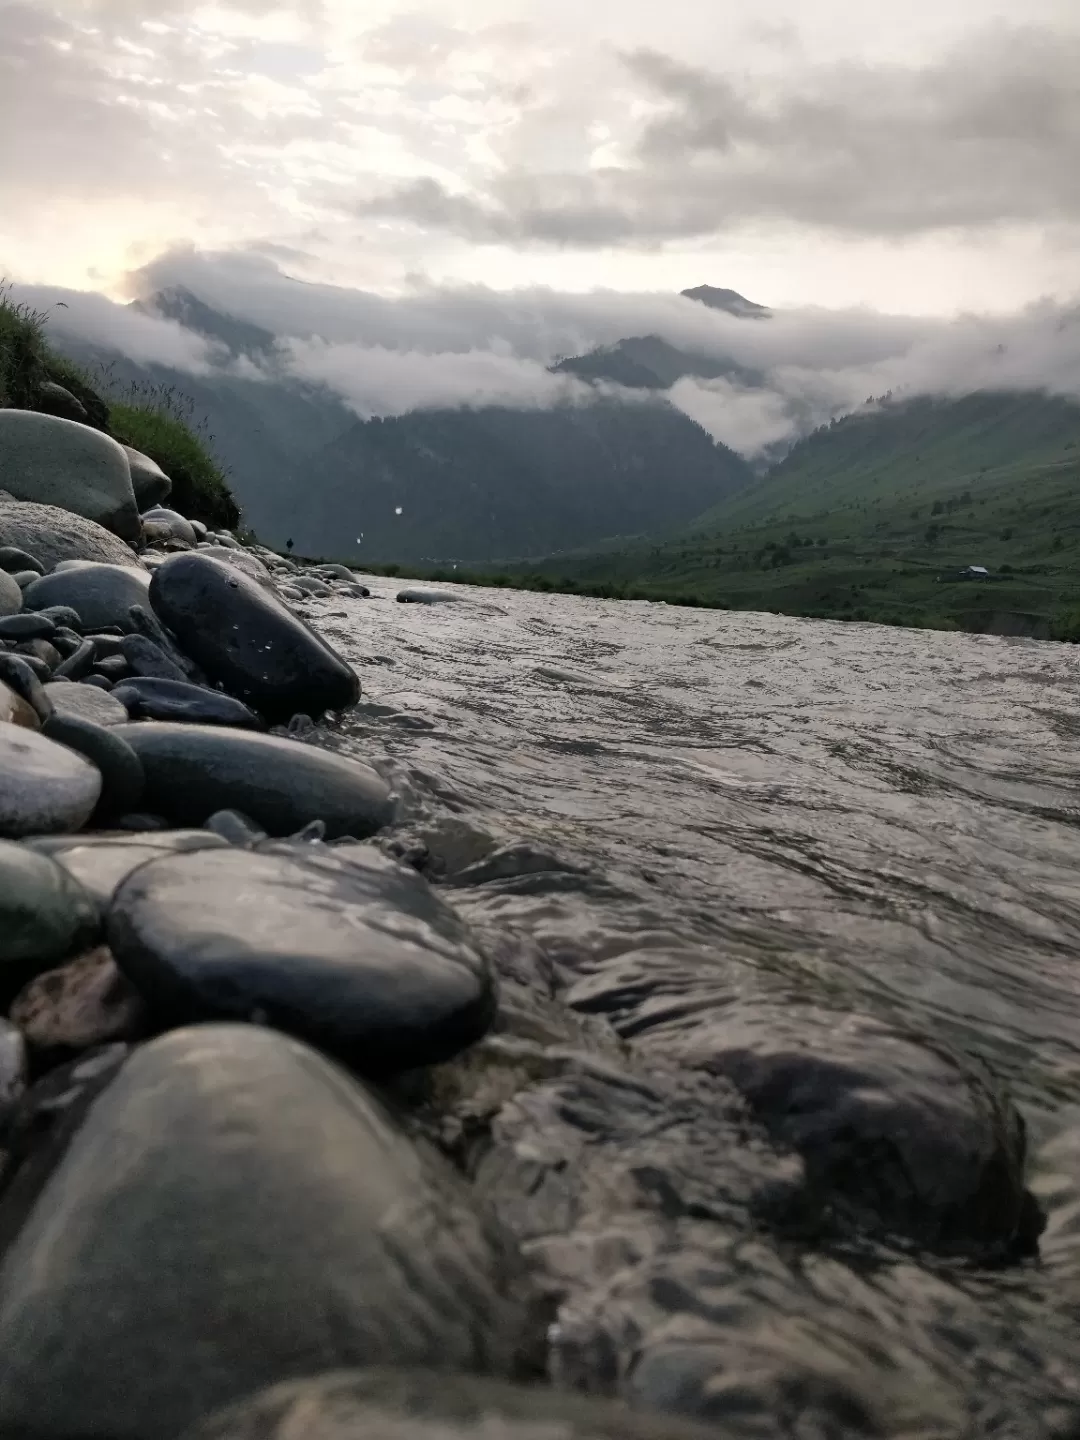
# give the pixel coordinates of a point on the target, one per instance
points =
(777, 876)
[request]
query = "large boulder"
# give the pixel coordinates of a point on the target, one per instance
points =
(52, 535)
(60, 462)
(148, 480)
(233, 1212)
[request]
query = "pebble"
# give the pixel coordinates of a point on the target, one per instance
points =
(149, 699)
(40, 667)
(346, 949)
(101, 863)
(113, 668)
(45, 788)
(62, 615)
(26, 626)
(67, 641)
(193, 770)
(14, 710)
(12, 559)
(77, 665)
(23, 578)
(245, 637)
(84, 1003)
(239, 560)
(149, 482)
(235, 1211)
(19, 675)
(172, 521)
(11, 596)
(144, 658)
(122, 781)
(100, 682)
(13, 1069)
(41, 650)
(84, 702)
(45, 914)
(100, 594)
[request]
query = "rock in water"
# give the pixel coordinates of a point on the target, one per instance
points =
(148, 480)
(100, 594)
(53, 535)
(44, 787)
(148, 699)
(101, 863)
(236, 1211)
(57, 462)
(11, 597)
(45, 914)
(350, 951)
(243, 636)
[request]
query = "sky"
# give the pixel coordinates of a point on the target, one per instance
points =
(922, 159)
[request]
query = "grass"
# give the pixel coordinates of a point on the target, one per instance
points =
(157, 420)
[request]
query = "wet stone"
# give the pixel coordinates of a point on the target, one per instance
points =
(99, 594)
(101, 863)
(85, 702)
(345, 949)
(235, 1211)
(84, 1003)
(243, 636)
(45, 788)
(193, 770)
(122, 780)
(44, 915)
(150, 699)
(144, 658)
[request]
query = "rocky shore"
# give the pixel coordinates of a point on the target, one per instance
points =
(297, 1142)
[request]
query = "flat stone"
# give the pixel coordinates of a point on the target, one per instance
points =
(45, 788)
(144, 658)
(52, 535)
(45, 914)
(235, 1211)
(13, 559)
(11, 596)
(76, 665)
(147, 699)
(348, 950)
(172, 521)
(245, 637)
(122, 781)
(99, 594)
(86, 702)
(83, 1003)
(102, 862)
(379, 1404)
(14, 710)
(49, 461)
(193, 770)
(26, 626)
(149, 482)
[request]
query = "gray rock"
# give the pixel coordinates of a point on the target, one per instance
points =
(44, 787)
(84, 1003)
(101, 863)
(40, 650)
(13, 559)
(175, 523)
(11, 595)
(53, 534)
(346, 949)
(193, 770)
(144, 658)
(101, 594)
(235, 1211)
(13, 1068)
(27, 626)
(222, 537)
(17, 672)
(240, 560)
(76, 665)
(15, 710)
(148, 480)
(85, 702)
(45, 914)
(54, 399)
(122, 782)
(308, 585)
(49, 461)
(149, 699)
(433, 1405)
(61, 615)
(23, 578)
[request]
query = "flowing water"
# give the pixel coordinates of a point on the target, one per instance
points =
(694, 820)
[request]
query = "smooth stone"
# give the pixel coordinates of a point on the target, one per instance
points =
(61, 615)
(23, 578)
(426, 597)
(245, 637)
(11, 595)
(40, 650)
(53, 534)
(26, 626)
(13, 1068)
(200, 529)
(101, 863)
(66, 641)
(222, 537)
(49, 461)
(337, 572)
(239, 830)
(45, 788)
(145, 622)
(122, 780)
(113, 668)
(193, 770)
(309, 586)
(54, 399)
(239, 560)
(173, 521)
(19, 675)
(148, 699)
(45, 914)
(84, 1003)
(41, 668)
(100, 594)
(350, 951)
(434, 1405)
(105, 646)
(100, 682)
(145, 659)
(86, 702)
(13, 559)
(236, 1211)
(149, 482)
(77, 664)
(14, 710)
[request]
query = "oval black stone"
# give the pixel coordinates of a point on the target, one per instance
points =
(122, 782)
(148, 699)
(245, 637)
(26, 626)
(354, 953)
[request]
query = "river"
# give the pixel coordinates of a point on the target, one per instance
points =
(702, 834)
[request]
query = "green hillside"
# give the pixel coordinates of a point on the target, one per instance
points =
(872, 517)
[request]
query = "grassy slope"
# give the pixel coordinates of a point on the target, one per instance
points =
(155, 421)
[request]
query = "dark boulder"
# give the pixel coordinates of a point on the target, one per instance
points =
(150, 699)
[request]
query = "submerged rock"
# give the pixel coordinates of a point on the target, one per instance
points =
(52, 534)
(44, 787)
(235, 1211)
(45, 914)
(57, 462)
(193, 770)
(148, 699)
(346, 949)
(100, 594)
(243, 636)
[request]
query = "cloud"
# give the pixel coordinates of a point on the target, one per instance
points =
(84, 316)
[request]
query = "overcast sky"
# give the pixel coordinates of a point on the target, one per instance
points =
(922, 158)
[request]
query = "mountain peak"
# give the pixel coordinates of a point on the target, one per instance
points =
(180, 304)
(729, 300)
